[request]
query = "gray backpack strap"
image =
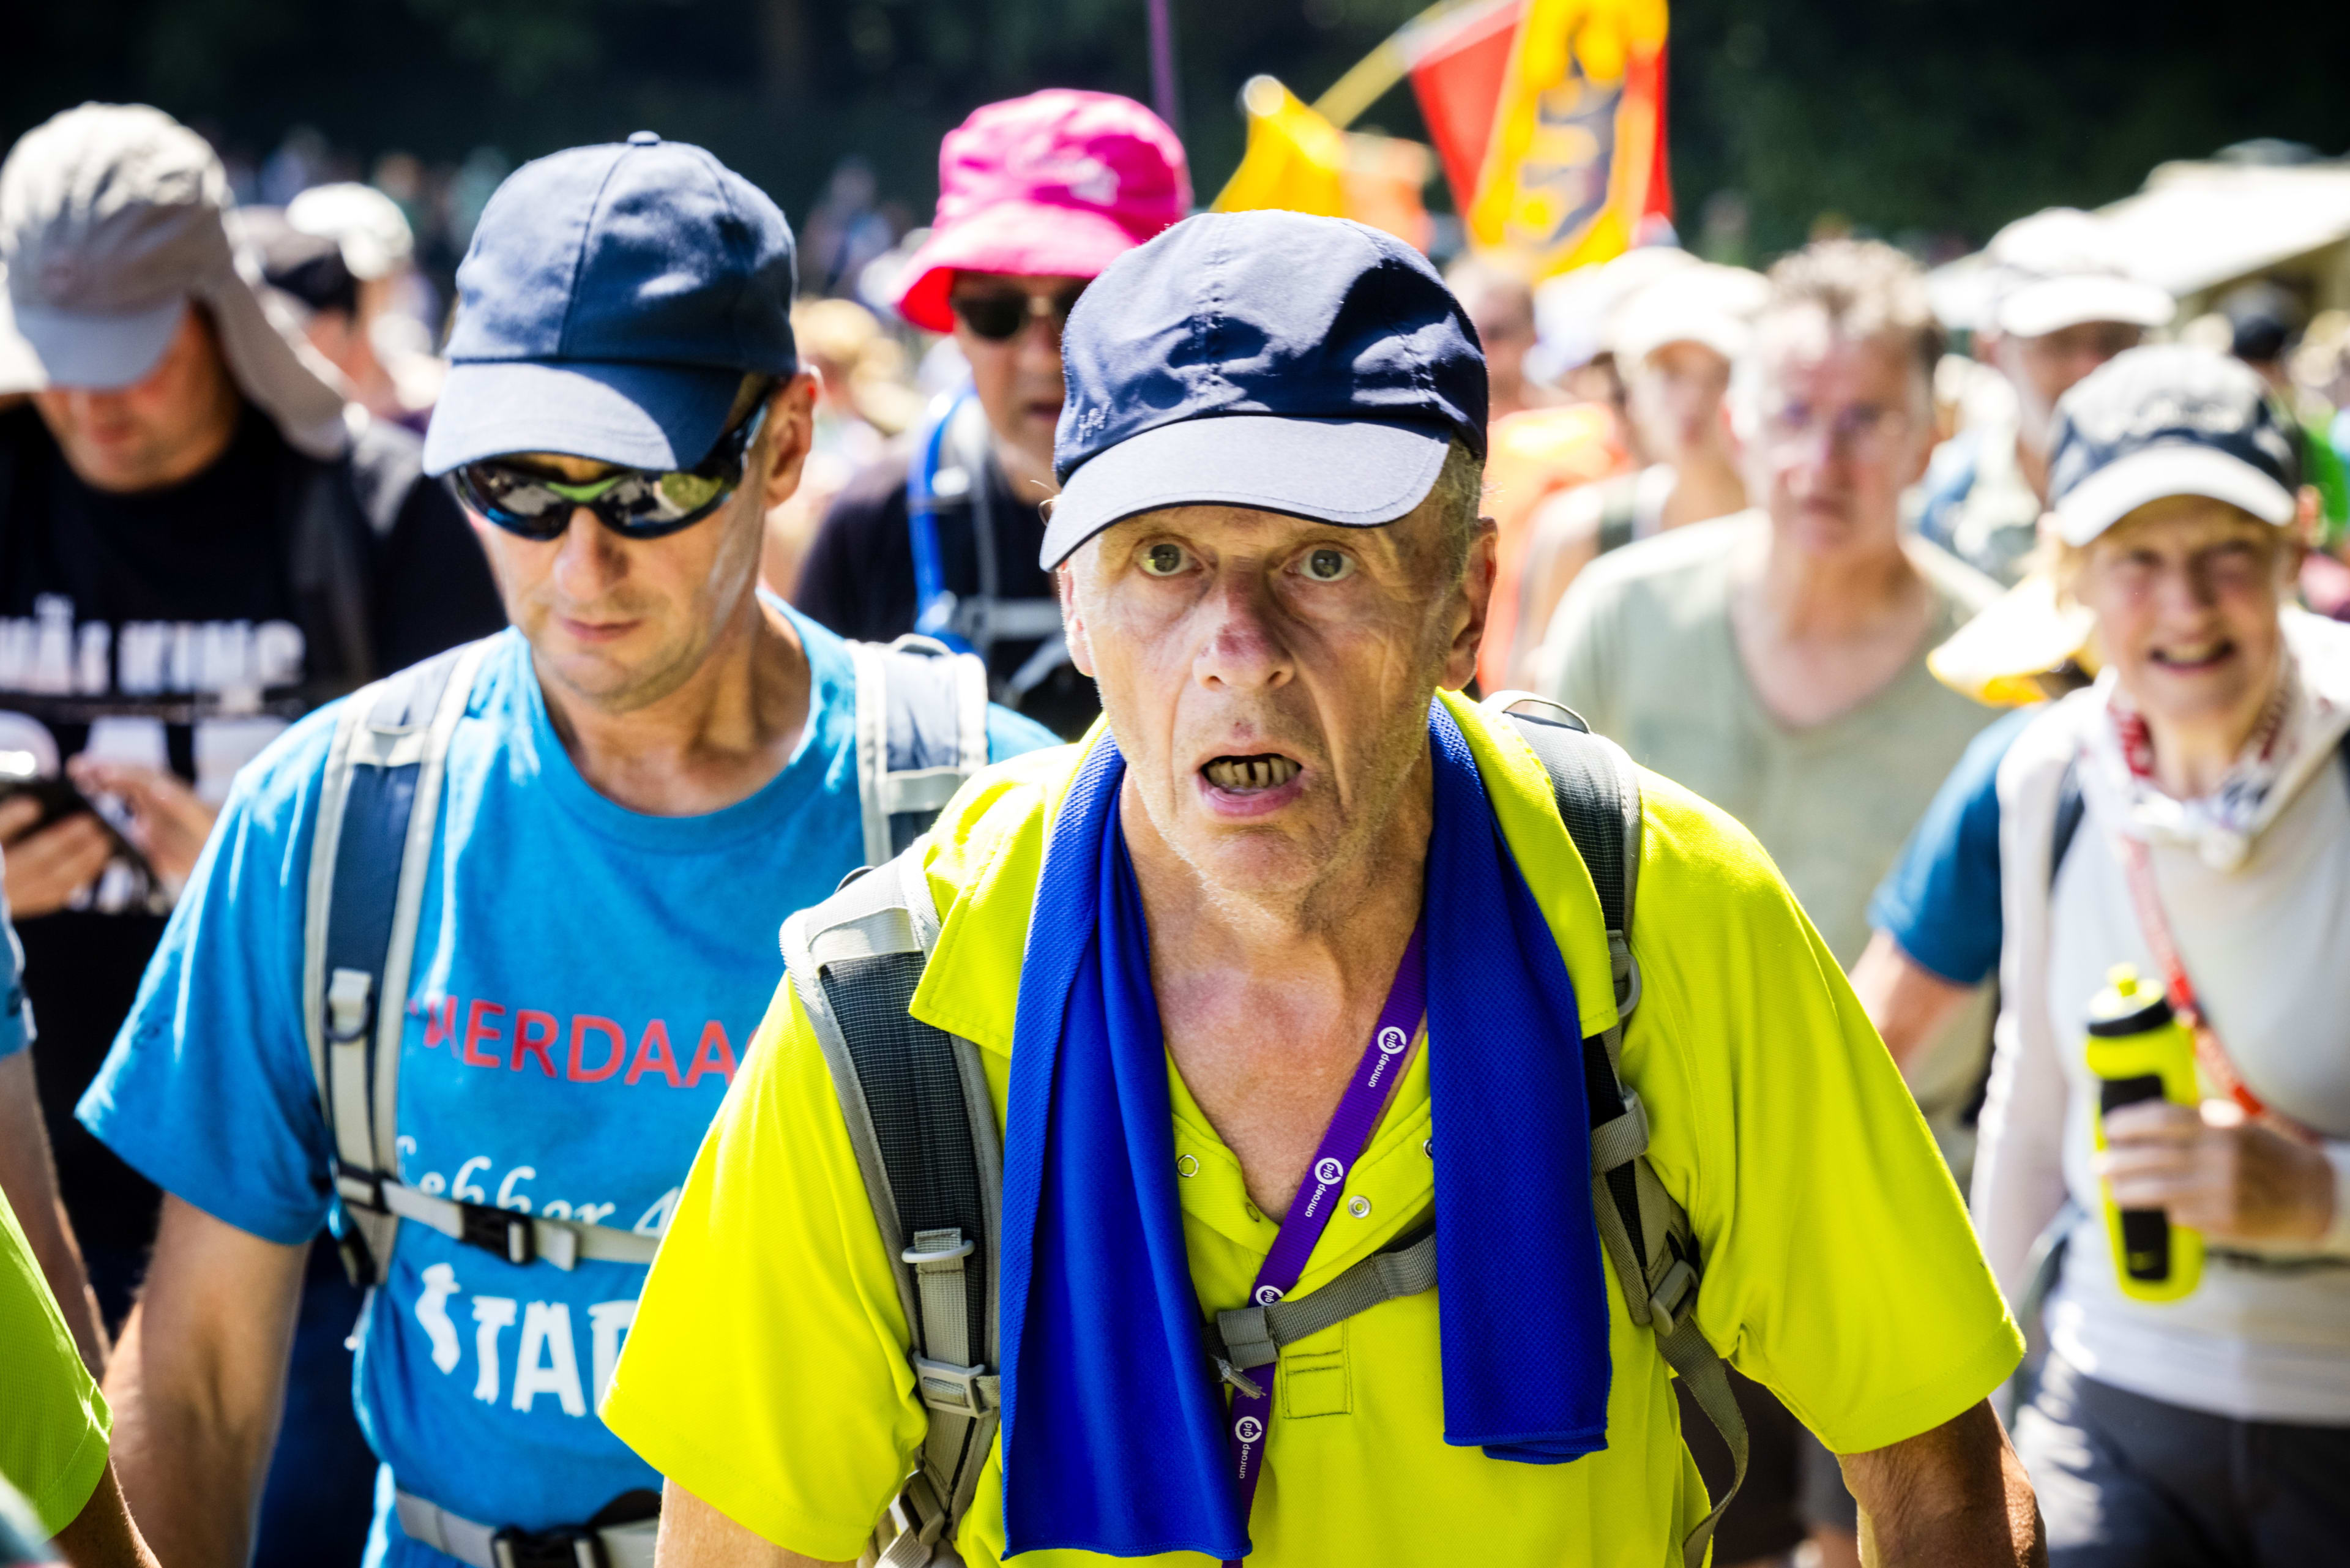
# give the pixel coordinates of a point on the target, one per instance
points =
(1244, 1338)
(378, 801)
(1645, 1231)
(379, 806)
(922, 1124)
(921, 729)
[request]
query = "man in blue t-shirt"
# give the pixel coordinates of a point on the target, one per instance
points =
(652, 768)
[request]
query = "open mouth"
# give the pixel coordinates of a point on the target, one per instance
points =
(1251, 774)
(2192, 658)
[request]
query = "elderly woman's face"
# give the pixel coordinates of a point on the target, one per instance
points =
(1268, 677)
(2185, 592)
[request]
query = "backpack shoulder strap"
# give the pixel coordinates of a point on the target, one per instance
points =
(378, 801)
(1645, 1231)
(1619, 512)
(379, 806)
(2067, 821)
(916, 1103)
(921, 730)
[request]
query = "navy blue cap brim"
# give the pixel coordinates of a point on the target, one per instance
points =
(633, 415)
(1356, 474)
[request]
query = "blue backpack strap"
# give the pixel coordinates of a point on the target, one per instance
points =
(379, 802)
(921, 729)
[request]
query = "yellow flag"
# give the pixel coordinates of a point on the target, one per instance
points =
(1574, 159)
(1298, 161)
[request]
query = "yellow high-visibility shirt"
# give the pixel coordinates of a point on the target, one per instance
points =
(54, 1423)
(767, 1372)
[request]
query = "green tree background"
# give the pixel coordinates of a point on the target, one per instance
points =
(1936, 118)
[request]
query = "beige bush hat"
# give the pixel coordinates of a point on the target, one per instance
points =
(111, 222)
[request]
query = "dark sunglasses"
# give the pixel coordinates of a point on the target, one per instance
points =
(634, 502)
(1002, 315)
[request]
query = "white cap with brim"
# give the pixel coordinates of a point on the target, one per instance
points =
(2048, 305)
(111, 217)
(1711, 306)
(1356, 474)
(2152, 473)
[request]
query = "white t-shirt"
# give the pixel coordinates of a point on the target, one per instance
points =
(2265, 944)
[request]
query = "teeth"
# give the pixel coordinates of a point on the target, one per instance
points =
(1246, 773)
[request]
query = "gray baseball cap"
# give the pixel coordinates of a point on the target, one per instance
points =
(111, 223)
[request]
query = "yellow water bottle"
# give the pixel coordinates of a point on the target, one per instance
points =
(2140, 1051)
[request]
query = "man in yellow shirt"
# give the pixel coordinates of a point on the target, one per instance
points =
(54, 1422)
(1298, 931)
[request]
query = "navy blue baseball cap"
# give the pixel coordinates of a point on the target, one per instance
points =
(610, 304)
(1267, 360)
(2168, 420)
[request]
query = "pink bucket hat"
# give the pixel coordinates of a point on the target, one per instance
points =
(1058, 184)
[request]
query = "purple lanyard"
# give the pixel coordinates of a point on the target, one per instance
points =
(1309, 1212)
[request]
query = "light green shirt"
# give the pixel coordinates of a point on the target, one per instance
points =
(54, 1423)
(1642, 649)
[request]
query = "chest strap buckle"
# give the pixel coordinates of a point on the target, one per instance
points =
(566, 1548)
(507, 1233)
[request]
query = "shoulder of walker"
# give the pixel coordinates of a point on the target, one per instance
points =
(1964, 590)
(1940, 901)
(1011, 734)
(54, 1422)
(387, 469)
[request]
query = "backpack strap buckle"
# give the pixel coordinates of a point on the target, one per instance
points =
(918, 1517)
(967, 1391)
(1247, 1338)
(1674, 1295)
(563, 1548)
(503, 1231)
(347, 1012)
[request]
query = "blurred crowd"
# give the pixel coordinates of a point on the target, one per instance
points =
(1727, 534)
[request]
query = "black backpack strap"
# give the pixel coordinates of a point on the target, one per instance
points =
(1619, 512)
(2067, 821)
(916, 1104)
(921, 730)
(1644, 1230)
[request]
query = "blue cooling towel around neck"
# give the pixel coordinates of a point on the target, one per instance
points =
(1113, 1421)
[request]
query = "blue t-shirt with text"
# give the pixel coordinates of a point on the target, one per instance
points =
(586, 980)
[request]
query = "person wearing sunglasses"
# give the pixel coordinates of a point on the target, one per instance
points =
(644, 774)
(1036, 196)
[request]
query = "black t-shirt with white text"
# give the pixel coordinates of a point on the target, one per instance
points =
(164, 628)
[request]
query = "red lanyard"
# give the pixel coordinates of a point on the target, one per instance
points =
(2209, 1054)
(2137, 864)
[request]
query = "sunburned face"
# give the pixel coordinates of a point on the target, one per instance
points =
(2186, 593)
(1268, 678)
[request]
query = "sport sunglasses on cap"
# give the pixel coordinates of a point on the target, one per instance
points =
(634, 502)
(1000, 316)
